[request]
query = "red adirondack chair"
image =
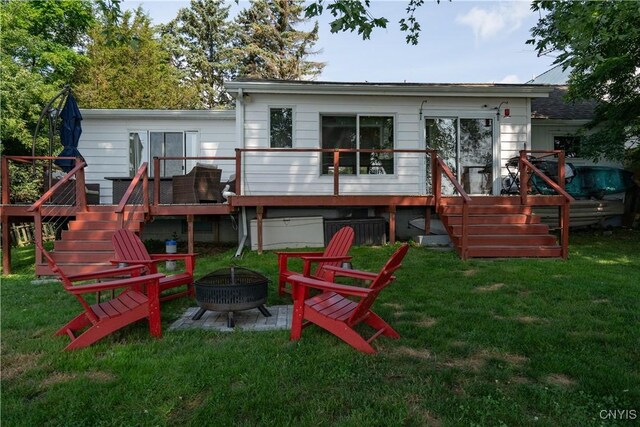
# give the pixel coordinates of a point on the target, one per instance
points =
(101, 319)
(334, 308)
(334, 255)
(130, 249)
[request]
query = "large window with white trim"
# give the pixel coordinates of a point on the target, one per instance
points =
(366, 132)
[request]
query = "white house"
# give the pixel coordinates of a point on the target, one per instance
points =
(475, 127)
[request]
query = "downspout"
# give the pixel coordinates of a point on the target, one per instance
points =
(242, 235)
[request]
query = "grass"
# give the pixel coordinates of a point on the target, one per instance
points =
(484, 342)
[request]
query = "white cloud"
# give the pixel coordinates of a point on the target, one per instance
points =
(511, 78)
(489, 23)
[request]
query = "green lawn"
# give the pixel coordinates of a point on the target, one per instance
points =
(498, 342)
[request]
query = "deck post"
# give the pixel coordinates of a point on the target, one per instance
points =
(561, 171)
(37, 230)
(524, 174)
(392, 224)
(6, 244)
(156, 181)
(564, 229)
(190, 235)
(259, 215)
(5, 181)
(336, 173)
(238, 172)
(81, 194)
(427, 221)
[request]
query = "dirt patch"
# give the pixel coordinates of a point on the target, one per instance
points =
(99, 376)
(413, 352)
(470, 273)
(427, 322)
(560, 380)
(600, 301)
(58, 378)
(15, 365)
(478, 360)
(519, 380)
(396, 307)
(530, 319)
(490, 288)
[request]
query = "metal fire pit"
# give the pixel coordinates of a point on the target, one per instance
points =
(231, 289)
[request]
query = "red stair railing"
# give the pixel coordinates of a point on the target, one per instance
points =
(141, 177)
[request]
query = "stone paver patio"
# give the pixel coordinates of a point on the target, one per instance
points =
(247, 320)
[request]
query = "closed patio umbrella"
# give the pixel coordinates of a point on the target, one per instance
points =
(70, 131)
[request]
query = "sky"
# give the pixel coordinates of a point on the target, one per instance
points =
(461, 42)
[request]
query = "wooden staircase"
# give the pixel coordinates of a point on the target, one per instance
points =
(498, 227)
(86, 244)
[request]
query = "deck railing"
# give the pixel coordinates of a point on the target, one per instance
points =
(40, 209)
(439, 167)
(527, 170)
(136, 197)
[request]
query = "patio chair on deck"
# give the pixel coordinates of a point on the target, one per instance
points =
(335, 309)
(334, 255)
(201, 185)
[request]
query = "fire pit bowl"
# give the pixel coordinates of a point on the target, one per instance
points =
(231, 289)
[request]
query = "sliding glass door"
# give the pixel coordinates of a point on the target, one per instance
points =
(466, 146)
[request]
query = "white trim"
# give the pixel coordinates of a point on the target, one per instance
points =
(158, 114)
(390, 89)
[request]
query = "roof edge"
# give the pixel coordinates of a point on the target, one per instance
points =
(90, 113)
(388, 89)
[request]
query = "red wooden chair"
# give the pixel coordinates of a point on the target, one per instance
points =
(130, 249)
(101, 319)
(335, 309)
(334, 255)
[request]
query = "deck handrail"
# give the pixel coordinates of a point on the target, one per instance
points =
(141, 174)
(336, 159)
(524, 164)
(81, 202)
(439, 167)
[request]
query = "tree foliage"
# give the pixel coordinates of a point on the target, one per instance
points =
(355, 15)
(41, 44)
(129, 68)
(269, 45)
(200, 42)
(600, 42)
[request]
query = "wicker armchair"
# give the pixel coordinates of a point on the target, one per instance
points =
(201, 185)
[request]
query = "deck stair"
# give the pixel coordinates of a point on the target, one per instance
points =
(499, 227)
(86, 243)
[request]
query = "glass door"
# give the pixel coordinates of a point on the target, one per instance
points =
(466, 146)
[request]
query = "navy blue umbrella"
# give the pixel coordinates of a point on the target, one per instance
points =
(70, 131)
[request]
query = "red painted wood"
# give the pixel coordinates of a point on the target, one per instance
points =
(103, 318)
(335, 311)
(334, 254)
(129, 249)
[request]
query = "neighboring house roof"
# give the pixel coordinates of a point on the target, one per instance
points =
(555, 76)
(556, 107)
(387, 89)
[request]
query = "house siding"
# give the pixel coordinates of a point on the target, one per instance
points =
(105, 142)
(263, 172)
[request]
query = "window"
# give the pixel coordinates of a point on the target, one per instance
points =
(281, 127)
(358, 131)
(145, 145)
(569, 144)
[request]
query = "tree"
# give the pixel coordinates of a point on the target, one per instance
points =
(200, 43)
(269, 45)
(600, 42)
(41, 44)
(129, 68)
(355, 15)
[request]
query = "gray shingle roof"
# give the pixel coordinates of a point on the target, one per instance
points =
(556, 107)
